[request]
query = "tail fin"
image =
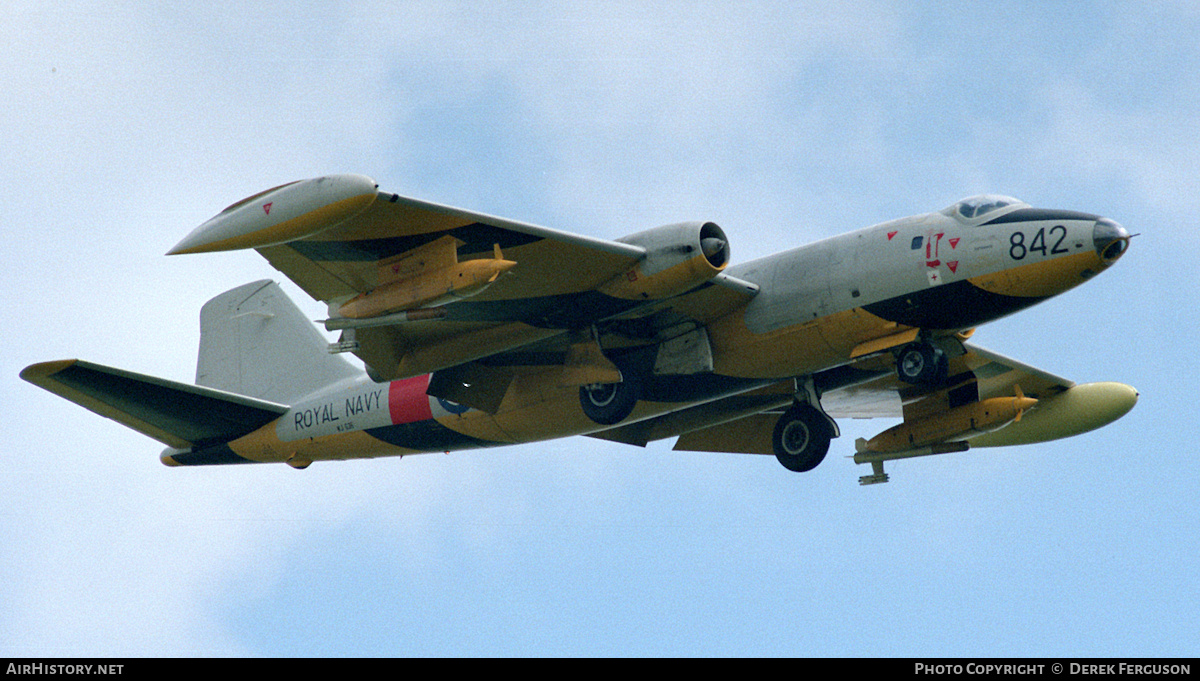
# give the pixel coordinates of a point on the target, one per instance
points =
(254, 341)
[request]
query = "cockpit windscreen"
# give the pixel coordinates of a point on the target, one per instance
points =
(978, 206)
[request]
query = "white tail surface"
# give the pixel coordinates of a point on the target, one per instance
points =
(254, 341)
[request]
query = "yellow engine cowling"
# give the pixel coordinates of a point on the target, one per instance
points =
(678, 258)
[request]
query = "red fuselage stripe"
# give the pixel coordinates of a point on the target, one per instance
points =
(407, 400)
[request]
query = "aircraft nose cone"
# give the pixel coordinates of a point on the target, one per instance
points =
(1111, 240)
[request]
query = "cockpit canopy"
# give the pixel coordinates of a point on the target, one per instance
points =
(977, 206)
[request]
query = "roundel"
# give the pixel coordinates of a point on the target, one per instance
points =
(453, 407)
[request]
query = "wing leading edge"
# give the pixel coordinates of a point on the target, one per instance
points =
(344, 259)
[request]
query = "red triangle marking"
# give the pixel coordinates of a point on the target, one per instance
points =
(954, 242)
(952, 265)
(267, 207)
(891, 234)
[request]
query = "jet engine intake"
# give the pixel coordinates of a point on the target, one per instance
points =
(678, 258)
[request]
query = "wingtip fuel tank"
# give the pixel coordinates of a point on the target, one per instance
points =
(1077, 410)
(286, 213)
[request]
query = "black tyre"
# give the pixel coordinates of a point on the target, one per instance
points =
(608, 403)
(801, 438)
(921, 364)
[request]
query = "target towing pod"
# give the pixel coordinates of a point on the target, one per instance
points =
(479, 331)
(940, 433)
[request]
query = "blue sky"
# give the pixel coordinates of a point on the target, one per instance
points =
(126, 125)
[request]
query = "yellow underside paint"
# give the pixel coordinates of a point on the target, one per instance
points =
(634, 285)
(264, 446)
(435, 255)
(459, 349)
(290, 230)
(585, 363)
(879, 344)
(749, 435)
(542, 403)
(738, 351)
(798, 349)
(1043, 279)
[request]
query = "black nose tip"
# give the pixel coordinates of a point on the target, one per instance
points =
(1110, 239)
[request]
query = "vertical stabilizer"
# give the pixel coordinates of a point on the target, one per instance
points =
(254, 341)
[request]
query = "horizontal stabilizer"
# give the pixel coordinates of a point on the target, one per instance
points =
(176, 414)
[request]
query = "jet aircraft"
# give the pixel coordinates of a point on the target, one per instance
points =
(478, 331)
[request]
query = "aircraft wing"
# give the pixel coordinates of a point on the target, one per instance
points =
(869, 388)
(341, 239)
(978, 374)
(345, 259)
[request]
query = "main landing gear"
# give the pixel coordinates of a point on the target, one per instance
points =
(922, 363)
(801, 437)
(609, 403)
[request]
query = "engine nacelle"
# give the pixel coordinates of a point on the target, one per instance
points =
(678, 258)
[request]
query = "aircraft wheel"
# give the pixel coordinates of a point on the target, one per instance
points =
(801, 438)
(922, 364)
(608, 403)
